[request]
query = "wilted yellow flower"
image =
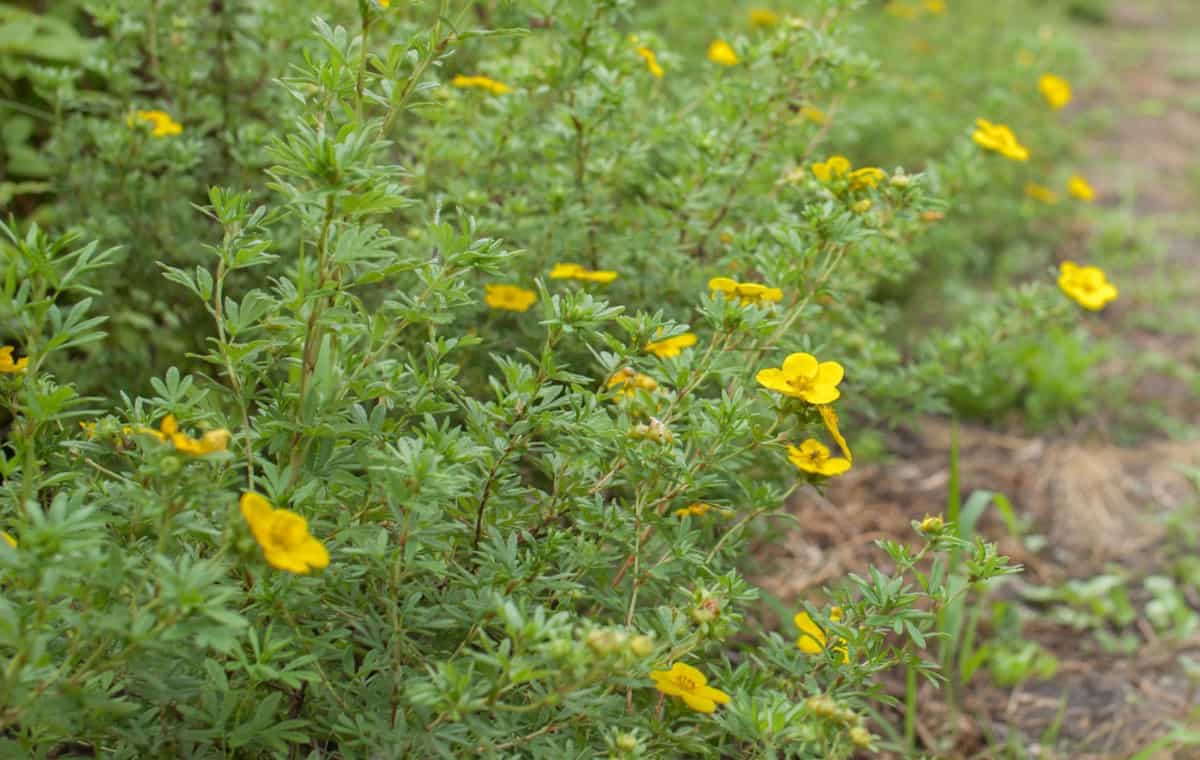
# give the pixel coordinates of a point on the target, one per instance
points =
(1055, 90)
(812, 639)
(577, 272)
(283, 536)
(481, 83)
(803, 377)
(651, 61)
(1087, 286)
(936, 7)
(629, 381)
(690, 685)
(813, 456)
(813, 114)
(747, 293)
(830, 418)
(12, 542)
(8, 366)
(722, 53)
(698, 509)
(1041, 193)
(508, 297)
(209, 443)
(162, 125)
(763, 18)
(999, 138)
(673, 346)
(834, 166)
(868, 176)
(1079, 187)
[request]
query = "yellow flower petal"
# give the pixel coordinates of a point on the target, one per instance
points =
(722, 53)
(812, 639)
(801, 364)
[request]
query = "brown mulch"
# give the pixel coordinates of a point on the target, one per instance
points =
(1097, 504)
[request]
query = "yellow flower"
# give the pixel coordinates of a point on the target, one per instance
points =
(283, 535)
(862, 207)
(813, 114)
(722, 53)
(89, 429)
(8, 366)
(763, 18)
(481, 83)
(931, 524)
(1041, 193)
(1079, 187)
(999, 138)
(690, 685)
(747, 293)
(803, 377)
(699, 509)
(577, 272)
(162, 125)
(812, 639)
(868, 176)
(385, 3)
(209, 443)
(629, 381)
(834, 166)
(813, 456)
(1087, 286)
(651, 61)
(508, 297)
(936, 7)
(674, 346)
(12, 542)
(1055, 90)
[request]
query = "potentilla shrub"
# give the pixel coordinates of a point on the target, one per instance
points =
(531, 317)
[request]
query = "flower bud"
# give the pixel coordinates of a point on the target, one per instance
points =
(822, 706)
(706, 611)
(863, 206)
(642, 646)
(601, 642)
(931, 524)
(627, 742)
(861, 737)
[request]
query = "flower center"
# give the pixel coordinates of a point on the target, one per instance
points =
(686, 683)
(800, 382)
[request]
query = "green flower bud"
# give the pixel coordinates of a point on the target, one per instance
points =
(642, 646)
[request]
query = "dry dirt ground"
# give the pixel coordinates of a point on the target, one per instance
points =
(1100, 505)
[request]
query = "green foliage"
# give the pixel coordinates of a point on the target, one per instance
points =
(526, 511)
